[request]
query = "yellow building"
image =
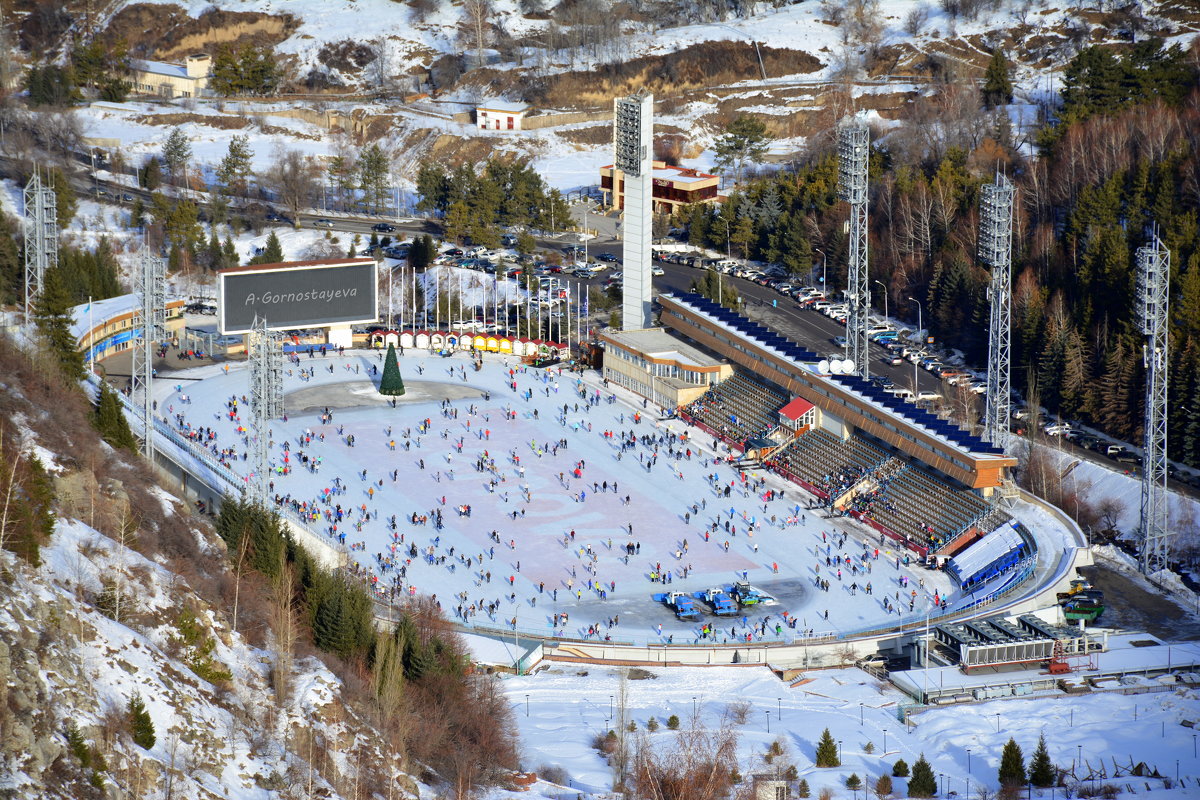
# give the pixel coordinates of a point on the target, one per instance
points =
(673, 188)
(660, 367)
(172, 80)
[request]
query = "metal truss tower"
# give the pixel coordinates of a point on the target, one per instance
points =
(266, 402)
(995, 251)
(1154, 271)
(150, 285)
(633, 143)
(853, 149)
(41, 238)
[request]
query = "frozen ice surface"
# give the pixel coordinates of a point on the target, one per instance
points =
(534, 549)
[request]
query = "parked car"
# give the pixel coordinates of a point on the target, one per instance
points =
(927, 396)
(606, 257)
(1056, 428)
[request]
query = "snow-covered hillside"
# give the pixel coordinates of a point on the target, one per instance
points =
(390, 58)
(66, 660)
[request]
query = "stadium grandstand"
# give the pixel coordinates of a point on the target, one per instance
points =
(892, 465)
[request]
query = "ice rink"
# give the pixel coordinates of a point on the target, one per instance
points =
(565, 514)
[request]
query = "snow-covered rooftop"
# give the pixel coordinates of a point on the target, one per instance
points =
(162, 68)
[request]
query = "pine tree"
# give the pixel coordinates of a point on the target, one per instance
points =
(802, 790)
(1012, 765)
(827, 753)
(922, 783)
(272, 251)
(52, 317)
(854, 783)
(330, 625)
(236, 165)
(150, 176)
(900, 768)
(141, 726)
(883, 787)
(65, 202)
(110, 422)
(997, 82)
(177, 152)
(1041, 770)
(391, 384)
(373, 176)
(229, 253)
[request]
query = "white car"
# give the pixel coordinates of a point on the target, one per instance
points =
(1057, 429)
(928, 396)
(657, 270)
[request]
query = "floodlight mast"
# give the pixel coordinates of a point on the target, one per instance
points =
(1154, 271)
(853, 150)
(995, 251)
(266, 402)
(41, 238)
(151, 290)
(633, 145)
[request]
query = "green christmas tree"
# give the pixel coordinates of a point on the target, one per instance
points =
(1041, 770)
(827, 753)
(140, 724)
(997, 82)
(52, 317)
(110, 422)
(1012, 765)
(391, 384)
(922, 783)
(854, 783)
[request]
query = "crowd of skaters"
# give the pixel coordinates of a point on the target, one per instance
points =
(403, 568)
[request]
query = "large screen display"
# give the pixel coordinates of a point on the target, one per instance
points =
(298, 296)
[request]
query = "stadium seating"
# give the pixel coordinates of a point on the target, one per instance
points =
(740, 407)
(926, 509)
(828, 462)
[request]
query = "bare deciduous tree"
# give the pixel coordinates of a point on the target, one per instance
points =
(293, 177)
(477, 26)
(697, 764)
(283, 624)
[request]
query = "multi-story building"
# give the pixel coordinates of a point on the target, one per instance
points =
(172, 80)
(672, 186)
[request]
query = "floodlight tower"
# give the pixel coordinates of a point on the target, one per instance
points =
(150, 284)
(41, 237)
(1154, 269)
(853, 149)
(633, 143)
(266, 402)
(995, 251)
